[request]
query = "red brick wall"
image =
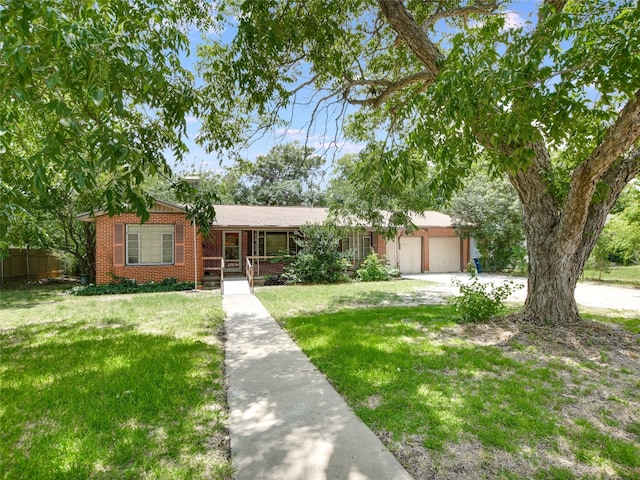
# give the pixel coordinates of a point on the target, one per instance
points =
(212, 247)
(379, 245)
(213, 244)
(145, 273)
(268, 268)
(465, 254)
(246, 250)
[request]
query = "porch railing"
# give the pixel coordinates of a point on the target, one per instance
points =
(255, 260)
(209, 265)
(253, 266)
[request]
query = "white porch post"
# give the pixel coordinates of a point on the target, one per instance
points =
(195, 257)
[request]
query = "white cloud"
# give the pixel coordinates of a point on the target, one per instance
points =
(320, 143)
(513, 20)
(296, 134)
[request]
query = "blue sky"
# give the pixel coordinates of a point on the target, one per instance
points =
(325, 138)
(326, 142)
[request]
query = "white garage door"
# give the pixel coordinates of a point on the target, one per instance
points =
(410, 255)
(444, 254)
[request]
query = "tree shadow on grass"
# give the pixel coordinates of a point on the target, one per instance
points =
(376, 298)
(83, 401)
(403, 380)
(29, 296)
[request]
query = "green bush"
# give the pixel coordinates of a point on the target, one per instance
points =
(274, 279)
(318, 259)
(373, 270)
(480, 301)
(126, 285)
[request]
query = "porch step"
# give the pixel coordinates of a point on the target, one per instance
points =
(236, 286)
(209, 282)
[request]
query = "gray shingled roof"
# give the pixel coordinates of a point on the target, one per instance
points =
(262, 217)
(252, 216)
(255, 216)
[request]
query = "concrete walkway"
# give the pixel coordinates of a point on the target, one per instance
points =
(286, 421)
(236, 286)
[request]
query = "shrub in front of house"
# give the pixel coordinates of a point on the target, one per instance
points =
(126, 285)
(318, 259)
(373, 270)
(274, 279)
(480, 301)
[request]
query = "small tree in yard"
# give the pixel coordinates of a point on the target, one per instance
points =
(318, 259)
(488, 210)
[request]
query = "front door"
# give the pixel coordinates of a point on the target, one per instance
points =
(232, 251)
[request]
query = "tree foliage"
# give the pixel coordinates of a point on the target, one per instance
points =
(318, 259)
(50, 221)
(432, 85)
(358, 191)
(488, 210)
(620, 239)
(92, 95)
(288, 174)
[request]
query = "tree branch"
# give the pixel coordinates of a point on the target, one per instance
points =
(303, 85)
(618, 140)
(479, 9)
(532, 187)
(413, 35)
(389, 88)
(549, 7)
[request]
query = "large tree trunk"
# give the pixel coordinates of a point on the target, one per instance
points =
(561, 228)
(553, 275)
(556, 259)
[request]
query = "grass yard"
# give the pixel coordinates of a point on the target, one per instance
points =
(473, 401)
(314, 298)
(126, 386)
(621, 275)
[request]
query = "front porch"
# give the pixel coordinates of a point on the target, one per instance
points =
(252, 253)
(256, 269)
(257, 254)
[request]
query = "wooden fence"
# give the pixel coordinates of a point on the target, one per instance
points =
(29, 264)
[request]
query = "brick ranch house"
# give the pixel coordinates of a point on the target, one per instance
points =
(167, 245)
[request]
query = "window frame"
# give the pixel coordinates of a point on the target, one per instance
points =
(162, 235)
(262, 242)
(360, 244)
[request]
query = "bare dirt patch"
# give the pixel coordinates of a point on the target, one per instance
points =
(599, 365)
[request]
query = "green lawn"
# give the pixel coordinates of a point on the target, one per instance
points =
(112, 387)
(455, 401)
(285, 301)
(622, 275)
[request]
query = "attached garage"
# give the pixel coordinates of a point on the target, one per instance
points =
(444, 254)
(410, 254)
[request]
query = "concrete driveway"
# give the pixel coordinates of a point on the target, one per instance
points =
(624, 299)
